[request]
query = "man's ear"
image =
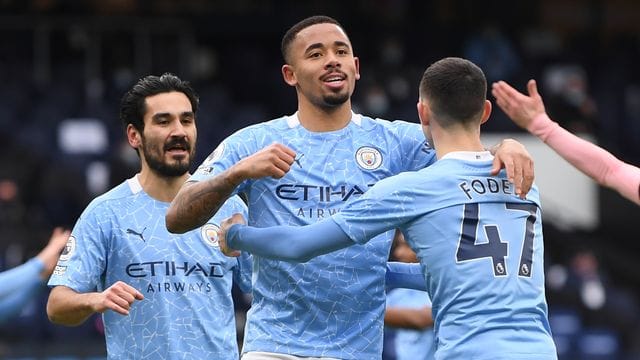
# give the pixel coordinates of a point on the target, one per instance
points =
(288, 75)
(486, 112)
(424, 113)
(357, 62)
(133, 136)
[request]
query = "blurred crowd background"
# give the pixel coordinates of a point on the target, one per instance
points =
(65, 64)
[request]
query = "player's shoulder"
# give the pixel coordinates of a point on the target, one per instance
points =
(280, 123)
(370, 123)
(115, 195)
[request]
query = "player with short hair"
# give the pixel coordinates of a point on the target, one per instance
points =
(162, 296)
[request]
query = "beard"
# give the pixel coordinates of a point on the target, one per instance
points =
(335, 99)
(154, 156)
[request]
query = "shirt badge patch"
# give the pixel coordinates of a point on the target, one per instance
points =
(210, 234)
(69, 249)
(369, 158)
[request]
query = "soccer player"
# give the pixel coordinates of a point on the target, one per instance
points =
(299, 169)
(21, 283)
(480, 246)
(162, 296)
(407, 317)
(528, 112)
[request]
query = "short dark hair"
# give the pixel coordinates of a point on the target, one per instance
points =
(456, 90)
(133, 105)
(288, 37)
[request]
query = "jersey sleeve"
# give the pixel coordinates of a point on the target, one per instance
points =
(404, 275)
(415, 151)
(289, 243)
(385, 206)
(243, 269)
(83, 260)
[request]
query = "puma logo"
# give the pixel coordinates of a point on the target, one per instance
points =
(140, 234)
(298, 160)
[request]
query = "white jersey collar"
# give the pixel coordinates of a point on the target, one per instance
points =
(134, 184)
(469, 155)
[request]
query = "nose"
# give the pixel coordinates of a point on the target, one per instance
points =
(333, 61)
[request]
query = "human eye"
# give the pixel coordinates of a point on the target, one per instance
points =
(343, 51)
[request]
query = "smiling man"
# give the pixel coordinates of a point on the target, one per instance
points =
(299, 169)
(162, 296)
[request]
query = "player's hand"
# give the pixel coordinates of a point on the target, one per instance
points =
(222, 234)
(520, 108)
(515, 159)
(274, 160)
(118, 297)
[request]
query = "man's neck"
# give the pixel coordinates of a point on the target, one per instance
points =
(447, 142)
(159, 187)
(318, 119)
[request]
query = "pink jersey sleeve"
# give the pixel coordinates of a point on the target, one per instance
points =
(589, 158)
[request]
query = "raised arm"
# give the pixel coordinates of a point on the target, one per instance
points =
(529, 113)
(197, 202)
(20, 284)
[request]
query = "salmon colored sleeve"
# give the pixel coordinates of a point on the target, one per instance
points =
(589, 158)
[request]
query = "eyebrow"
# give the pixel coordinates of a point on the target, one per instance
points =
(320, 45)
(167, 114)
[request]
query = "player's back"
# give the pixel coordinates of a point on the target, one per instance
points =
(482, 251)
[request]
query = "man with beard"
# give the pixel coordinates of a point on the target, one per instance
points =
(299, 169)
(162, 296)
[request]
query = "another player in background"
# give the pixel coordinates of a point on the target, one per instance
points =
(407, 316)
(299, 169)
(480, 246)
(162, 296)
(20, 284)
(528, 112)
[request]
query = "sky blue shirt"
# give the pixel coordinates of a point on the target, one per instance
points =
(481, 250)
(332, 305)
(411, 344)
(187, 312)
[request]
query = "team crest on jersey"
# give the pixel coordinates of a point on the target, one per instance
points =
(210, 234)
(215, 155)
(69, 249)
(369, 158)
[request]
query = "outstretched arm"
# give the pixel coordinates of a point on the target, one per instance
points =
(288, 243)
(197, 202)
(529, 113)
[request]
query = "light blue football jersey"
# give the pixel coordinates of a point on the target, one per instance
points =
(333, 305)
(188, 311)
(411, 344)
(480, 248)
